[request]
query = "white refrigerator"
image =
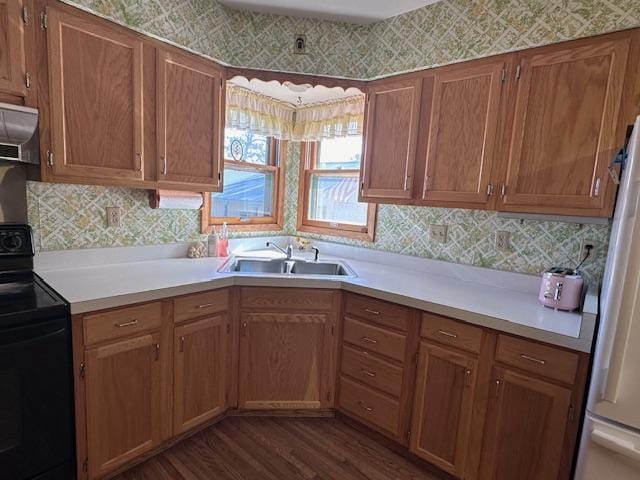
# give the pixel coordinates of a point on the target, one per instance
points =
(610, 443)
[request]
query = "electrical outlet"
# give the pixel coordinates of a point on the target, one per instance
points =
(113, 216)
(503, 240)
(438, 233)
(300, 43)
(583, 251)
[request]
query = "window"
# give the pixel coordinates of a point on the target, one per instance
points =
(329, 180)
(251, 198)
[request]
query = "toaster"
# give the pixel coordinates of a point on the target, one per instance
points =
(561, 288)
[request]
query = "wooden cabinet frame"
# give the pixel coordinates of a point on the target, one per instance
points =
(14, 50)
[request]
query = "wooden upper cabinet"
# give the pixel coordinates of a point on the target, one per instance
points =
(391, 131)
(190, 109)
(200, 352)
(96, 99)
(566, 127)
(286, 361)
(525, 428)
(461, 133)
(12, 43)
(124, 382)
(442, 410)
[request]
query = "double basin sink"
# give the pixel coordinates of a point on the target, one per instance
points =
(285, 266)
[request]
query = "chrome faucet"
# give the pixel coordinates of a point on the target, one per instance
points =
(316, 250)
(288, 252)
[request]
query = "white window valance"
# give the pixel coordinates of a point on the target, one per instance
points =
(248, 110)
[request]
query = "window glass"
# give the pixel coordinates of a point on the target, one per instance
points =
(340, 153)
(334, 199)
(245, 194)
(246, 146)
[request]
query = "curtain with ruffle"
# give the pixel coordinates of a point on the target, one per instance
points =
(248, 110)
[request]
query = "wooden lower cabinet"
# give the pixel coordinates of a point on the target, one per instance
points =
(124, 382)
(199, 369)
(286, 360)
(443, 406)
(525, 428)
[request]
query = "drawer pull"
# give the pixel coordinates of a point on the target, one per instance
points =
(364, 407)
(368, 373)
(369, 340)
(448, 334)
(127, 324)
(372, 312)
(533, 359)
(205, 305)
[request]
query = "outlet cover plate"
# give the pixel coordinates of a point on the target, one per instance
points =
(583, 251)
(503, 241)
(438, 233)
(113, 216)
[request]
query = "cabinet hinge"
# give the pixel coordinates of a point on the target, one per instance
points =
(329, 396)
(503, 76)
(571, 414)
(25, 15)
(219, 176)
(416, 357)
(49, 158)
(85, 466)
(43, 21)
(27, 80)
(518, 72)
(82, 370)
(408, 435)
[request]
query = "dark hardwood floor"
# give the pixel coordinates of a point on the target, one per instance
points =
(276, 448)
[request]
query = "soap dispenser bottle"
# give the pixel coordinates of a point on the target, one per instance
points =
(223, 241)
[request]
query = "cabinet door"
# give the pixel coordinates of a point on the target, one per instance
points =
(286, 361)
(12, 58)
(190, 122)
(123, 401)
(391, 130)
(462, 134)
(565, 128)
(525, 428)
(95, 83)
(445, 390)
(199, 372)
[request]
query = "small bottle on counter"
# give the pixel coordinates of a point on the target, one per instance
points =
(223, 241)
(212, 243)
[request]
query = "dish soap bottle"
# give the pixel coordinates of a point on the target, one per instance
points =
(212, 243)
(223, 241)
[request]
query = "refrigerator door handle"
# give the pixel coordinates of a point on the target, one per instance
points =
(616, 444)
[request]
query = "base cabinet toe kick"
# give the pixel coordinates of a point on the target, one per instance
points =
(444, 391)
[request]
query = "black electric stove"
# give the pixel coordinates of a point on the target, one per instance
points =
(36, 379)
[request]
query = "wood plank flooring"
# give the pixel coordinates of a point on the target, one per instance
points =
(275, 448)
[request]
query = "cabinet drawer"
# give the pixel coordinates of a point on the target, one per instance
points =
(384, 313)
(374, 338)
(372, 370)
(287, 298)
(450, 332)
(369, 405)
(122, 322)
(533, 357)
(200, 304)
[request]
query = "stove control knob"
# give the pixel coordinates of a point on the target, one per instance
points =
(12, 242)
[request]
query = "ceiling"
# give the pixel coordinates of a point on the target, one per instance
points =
(295, 95)
(353, 11)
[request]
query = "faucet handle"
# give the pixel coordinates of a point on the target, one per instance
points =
(317, 252)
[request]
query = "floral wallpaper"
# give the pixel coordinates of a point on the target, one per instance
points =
(73, 216)
(444, 32)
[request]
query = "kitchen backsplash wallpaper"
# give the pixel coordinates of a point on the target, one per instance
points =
(440, 33)
(73, 216)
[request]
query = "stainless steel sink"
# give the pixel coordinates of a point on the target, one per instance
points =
(286, 267)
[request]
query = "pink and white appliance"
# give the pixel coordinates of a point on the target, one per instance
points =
(561, 288)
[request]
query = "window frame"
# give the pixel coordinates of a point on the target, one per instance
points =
(275, 222)
(308, 163)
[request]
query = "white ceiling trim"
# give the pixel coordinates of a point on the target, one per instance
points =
(351, 11)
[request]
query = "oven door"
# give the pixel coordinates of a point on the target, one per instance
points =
(36, 401)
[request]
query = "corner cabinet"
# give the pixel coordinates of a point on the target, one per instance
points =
(12, 48)
(190, 110)
(567, 105)
(391, 124)
(96, 99)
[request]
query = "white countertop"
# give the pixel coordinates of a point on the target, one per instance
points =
(502, 301)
